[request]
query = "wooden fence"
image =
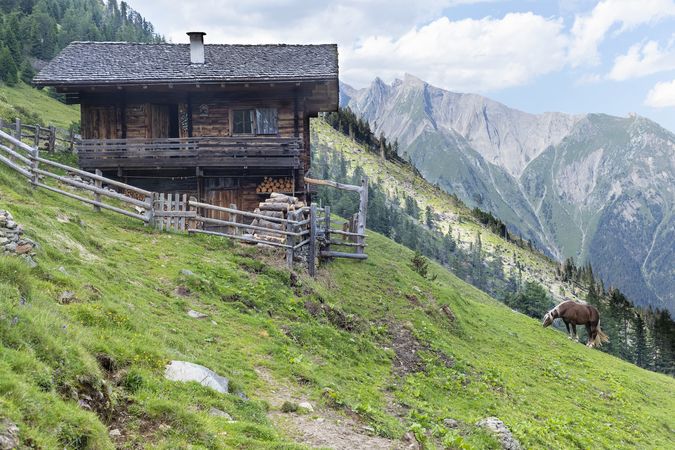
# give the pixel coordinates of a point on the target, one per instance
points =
(352, 233)
(306, 226)
(27, 161)
(51, 139)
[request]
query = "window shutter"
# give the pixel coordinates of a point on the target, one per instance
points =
(266, 121)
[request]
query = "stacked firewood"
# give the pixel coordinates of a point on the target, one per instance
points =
(270, 184)
(278, 206)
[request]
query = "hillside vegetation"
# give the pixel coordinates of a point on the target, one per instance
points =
(474, 244)
(594, 187)
(34, 31)
(35, 107)
(372, 342)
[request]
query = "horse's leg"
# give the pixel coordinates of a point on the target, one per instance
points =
(567, 325)
(589, 332)
(574, 329)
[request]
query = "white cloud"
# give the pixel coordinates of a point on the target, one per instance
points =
(389, 37)
(662, 95)
(470, 54)
(291, 21)
(643, 59)
(589, 30)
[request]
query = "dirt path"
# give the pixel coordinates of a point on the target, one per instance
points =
(324, 428)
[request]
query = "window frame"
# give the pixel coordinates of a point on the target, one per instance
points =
(254, 120)
(251, 112)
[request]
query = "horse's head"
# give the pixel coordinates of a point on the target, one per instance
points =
(549, 317)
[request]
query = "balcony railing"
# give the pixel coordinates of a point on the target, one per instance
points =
(235, 151)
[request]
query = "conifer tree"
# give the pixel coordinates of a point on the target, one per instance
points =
(8, 70)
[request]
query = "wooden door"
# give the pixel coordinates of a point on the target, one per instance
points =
(157, 121)
(223, 198)
(100, 122)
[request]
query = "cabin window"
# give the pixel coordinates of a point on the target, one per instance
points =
(266, 121)
(243, 121)
(260, 121)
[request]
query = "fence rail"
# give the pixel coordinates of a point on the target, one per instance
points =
(51, 139)
(303, 227)
(236, 151)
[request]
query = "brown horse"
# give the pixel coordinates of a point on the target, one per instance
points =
(578, 313)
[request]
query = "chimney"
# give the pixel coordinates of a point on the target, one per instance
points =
(196, 47)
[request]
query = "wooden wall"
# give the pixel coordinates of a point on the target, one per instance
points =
(101, 122)
(200, 113)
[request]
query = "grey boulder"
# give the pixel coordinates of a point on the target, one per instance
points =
(186, 371)
(498, 428)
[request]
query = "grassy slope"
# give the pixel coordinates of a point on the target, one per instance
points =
(550, 392)
(26, 98)
(397, 179)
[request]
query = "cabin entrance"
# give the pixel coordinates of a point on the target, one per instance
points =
(221, 191)
(162, 121)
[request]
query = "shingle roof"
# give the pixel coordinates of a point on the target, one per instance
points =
(95, 63)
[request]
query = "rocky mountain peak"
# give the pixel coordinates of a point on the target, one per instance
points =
(592, 186)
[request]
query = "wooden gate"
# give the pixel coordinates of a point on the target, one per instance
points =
(172, 212)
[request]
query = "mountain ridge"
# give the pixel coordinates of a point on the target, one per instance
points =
(573, 184)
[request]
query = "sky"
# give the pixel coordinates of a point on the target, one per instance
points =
(574, 56)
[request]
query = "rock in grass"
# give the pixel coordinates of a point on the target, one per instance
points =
(196, 314)
(186, 371)
(451, 423)
(186, 272)
(306, 405)
(9, 435)
(67, 297)
(289, 407)
(497, 427)
(218, 413)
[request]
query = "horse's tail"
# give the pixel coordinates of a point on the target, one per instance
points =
(600, 337)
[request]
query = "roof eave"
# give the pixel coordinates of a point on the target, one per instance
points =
(182, 81)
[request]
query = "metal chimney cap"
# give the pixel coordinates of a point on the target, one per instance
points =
(196, 47)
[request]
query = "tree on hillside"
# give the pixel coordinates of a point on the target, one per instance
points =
(10, 38)
(43, 32)
(429, 217)
(532, 300)
(411, 207)
(8, 70)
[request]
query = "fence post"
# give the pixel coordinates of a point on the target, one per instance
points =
(233, 218)
(182, 222)
(326, 233)
(17, 132)
(363, 211)
(37, 136)
(290, 240)
(71, 140)
(160, 208)
(98, 184)
(150, 212)
(311, 258)
(192, 223)
(33, 166)
(52, 138)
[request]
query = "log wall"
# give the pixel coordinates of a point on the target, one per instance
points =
(201, 113)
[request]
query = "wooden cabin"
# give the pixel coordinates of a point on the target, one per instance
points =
(211, 121)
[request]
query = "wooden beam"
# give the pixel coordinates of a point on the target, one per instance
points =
(344, 187)
(311, 257)
(360, 256)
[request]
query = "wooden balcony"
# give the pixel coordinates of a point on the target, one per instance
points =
(238, 152)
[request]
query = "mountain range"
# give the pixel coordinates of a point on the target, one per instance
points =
(595, 187)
